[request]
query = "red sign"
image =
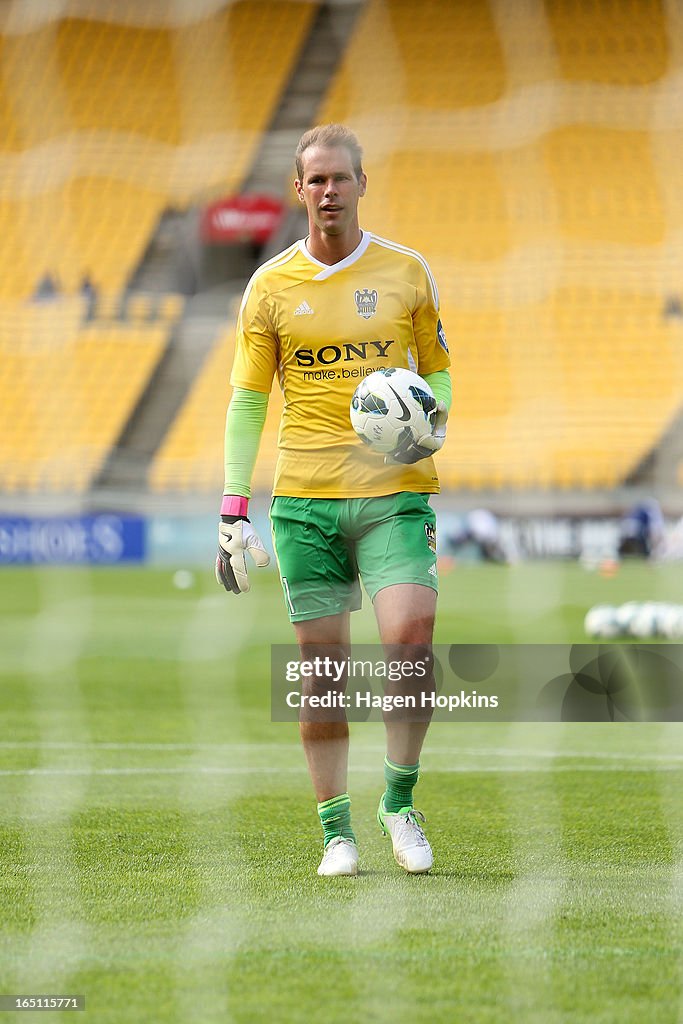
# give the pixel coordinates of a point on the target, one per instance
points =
(247, 218)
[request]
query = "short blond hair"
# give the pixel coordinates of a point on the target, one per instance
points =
(330, 135)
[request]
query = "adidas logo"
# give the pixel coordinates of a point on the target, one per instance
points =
(432, 570)
(303, 310)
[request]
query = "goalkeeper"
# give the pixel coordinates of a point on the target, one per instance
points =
(322, 315)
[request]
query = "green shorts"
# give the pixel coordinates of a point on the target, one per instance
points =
(323, 545)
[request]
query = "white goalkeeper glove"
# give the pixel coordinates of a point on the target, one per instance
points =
(236, 536)
(423, 447)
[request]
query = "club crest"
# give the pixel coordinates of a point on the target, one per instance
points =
(366, 302)
(430, 533)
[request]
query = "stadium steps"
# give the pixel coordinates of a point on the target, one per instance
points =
(173, 260)
(169, 264)
(660, 469)
(320, 55)
(129, 459)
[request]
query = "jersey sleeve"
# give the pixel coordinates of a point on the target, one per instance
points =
(256, 343)
(430, 338)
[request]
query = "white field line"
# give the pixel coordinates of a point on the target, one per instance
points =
(453, 752)
(194, 769)
(535, 895)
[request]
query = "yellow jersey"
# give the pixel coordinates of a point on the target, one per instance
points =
(323, 328)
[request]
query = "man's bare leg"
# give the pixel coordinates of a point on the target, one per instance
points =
(325, 738)
(405, 615)
(325, 743)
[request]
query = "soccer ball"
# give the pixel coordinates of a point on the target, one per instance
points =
(645, 620)
(625, 614)
(391, 408)
(671, 621)
(601, 621)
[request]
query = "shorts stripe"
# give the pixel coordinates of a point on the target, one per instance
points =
(285, 584)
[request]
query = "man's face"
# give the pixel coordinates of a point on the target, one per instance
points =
(330, 189)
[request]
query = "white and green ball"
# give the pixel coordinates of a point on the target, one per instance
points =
(601, 622)
(390, 408)
(639, 619)
(644, 620)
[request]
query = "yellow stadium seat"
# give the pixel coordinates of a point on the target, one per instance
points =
(103, 125)
(552, 228)
(63, 405)
(139, 307)
(170, 307)
(547, 195)
(616, 43)
(191, 457)
(108, 306)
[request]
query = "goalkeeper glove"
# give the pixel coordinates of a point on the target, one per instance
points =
(415, 450)
(236, 536)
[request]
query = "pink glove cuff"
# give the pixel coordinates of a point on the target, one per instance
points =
(234, 505)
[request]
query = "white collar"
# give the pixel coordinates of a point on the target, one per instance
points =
(327, 270)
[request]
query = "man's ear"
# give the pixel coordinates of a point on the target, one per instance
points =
(299, 190)
(363, 183)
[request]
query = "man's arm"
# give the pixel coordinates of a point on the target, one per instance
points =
(243, 428)
(414, 451)
(440, 383)
(433, 360)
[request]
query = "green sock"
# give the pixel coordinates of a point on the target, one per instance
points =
(335, 817)
(400, 779)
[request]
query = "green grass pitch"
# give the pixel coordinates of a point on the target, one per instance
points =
(158, 837)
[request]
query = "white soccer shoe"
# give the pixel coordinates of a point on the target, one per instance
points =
(340, 858)
(411, 846)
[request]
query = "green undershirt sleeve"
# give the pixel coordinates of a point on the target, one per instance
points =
(440, 383)
(243, 428)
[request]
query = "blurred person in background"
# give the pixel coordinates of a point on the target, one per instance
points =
(641, 531)
(481, 529)
(47, 289)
